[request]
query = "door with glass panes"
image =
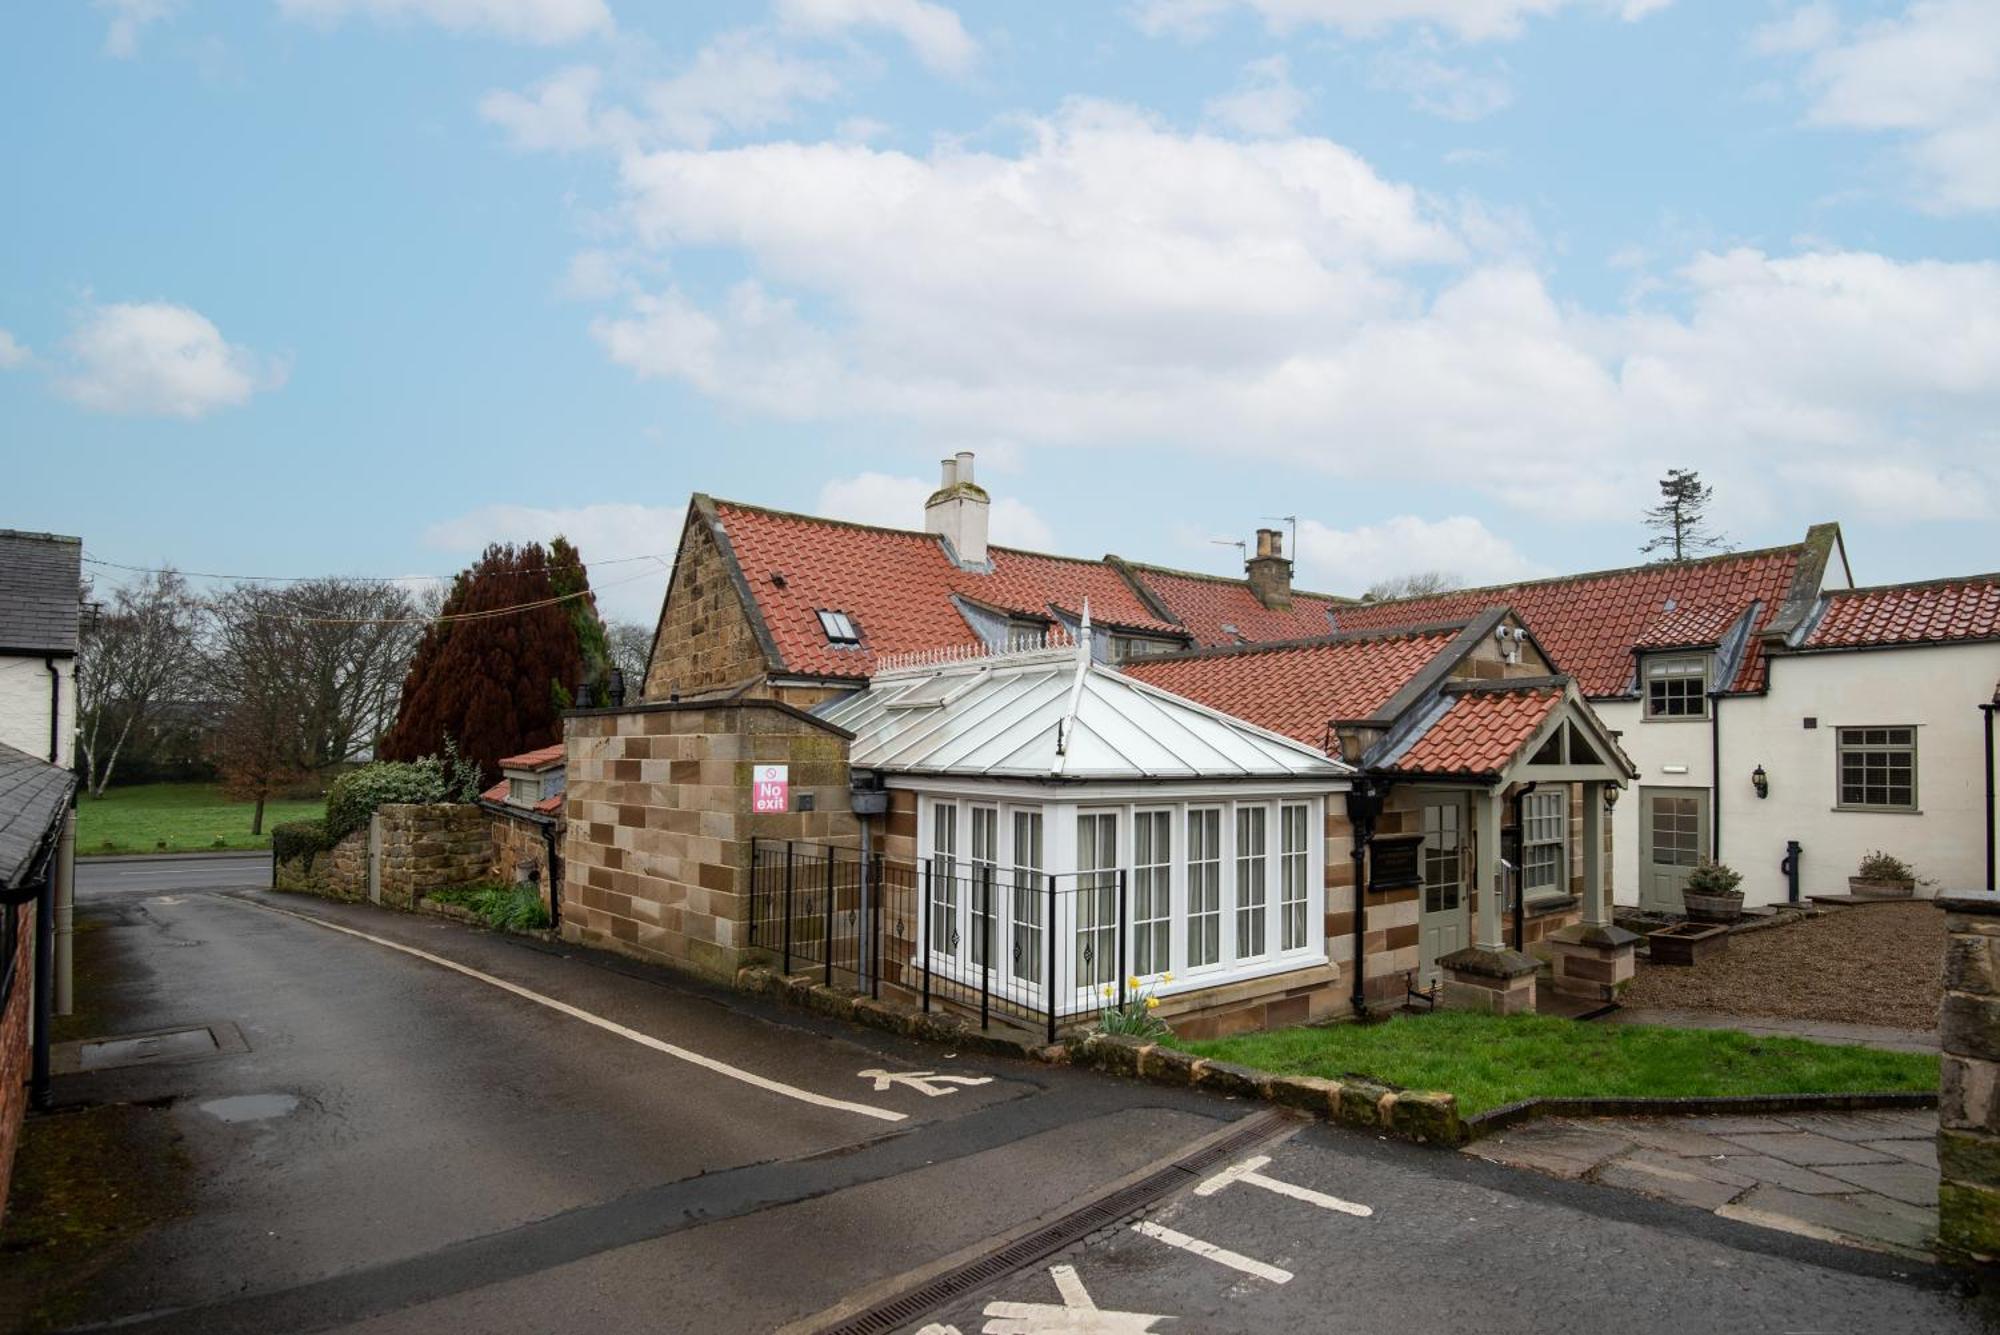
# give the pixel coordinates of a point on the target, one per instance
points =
(1673, 837)
(1441, 923)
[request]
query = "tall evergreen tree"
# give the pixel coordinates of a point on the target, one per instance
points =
(494, 672)
(1680, 521)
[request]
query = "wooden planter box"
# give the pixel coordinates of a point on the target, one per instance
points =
(1861, 889)
(1712, 908)
(1687, 943)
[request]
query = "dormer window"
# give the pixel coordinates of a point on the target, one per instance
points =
(1677, 688)
(839, 627)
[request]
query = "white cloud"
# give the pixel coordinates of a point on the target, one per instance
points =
(1451, 92)
(544, 22)
(1265, 103)
(1909, 490)
(1350, 560)
(128, 19)
(605, 535)
(156, 359)
(1471, 20)
(932, 31)
(898, 502)
(13, 352)
(739, 83)
(1930, 76)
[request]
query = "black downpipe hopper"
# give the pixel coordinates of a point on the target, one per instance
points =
(1364, 805)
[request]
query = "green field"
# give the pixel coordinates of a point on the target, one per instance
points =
(1490, 1060)
(176, 818)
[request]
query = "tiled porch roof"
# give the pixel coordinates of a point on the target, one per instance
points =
(1590, 624)
(897, 586)
(1297, 689)
(1481, 731)
(1938, 612)
(548, 757)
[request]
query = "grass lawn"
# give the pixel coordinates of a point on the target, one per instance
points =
(176, 818)
(1490, 1060)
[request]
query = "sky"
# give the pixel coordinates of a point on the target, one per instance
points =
(295, 287)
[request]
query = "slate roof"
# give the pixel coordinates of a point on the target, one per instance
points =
(1296, 689)
(897, 586)
(33, 795)
(1946, 611)
(1209, 606)
(1480, 732)
(1591, 624)
(41, 590)
(1002, 717)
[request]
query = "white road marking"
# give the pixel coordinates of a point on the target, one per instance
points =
(1078, 1313)
(609, 1026)
(1220, 1255)
(1247, 1171)
(924, 1082)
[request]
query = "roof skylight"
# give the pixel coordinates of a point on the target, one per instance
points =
(839, 627)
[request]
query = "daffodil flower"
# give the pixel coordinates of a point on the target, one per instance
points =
(1152, 1003)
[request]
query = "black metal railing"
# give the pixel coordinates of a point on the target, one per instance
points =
(1015, 944)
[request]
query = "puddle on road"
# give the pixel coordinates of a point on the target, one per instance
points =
(250, 1107)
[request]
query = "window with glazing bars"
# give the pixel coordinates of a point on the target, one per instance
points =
(1204, 892)
(1544, 841)
(1152, 891)
(1677, 688)
(944, 878)
(1295, 869)
(1096, 898)
(1251, 889)
(1029, 897)
(983, 890)
(1878, 768)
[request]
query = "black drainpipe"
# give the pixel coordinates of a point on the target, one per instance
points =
(1715, 775)
(554, 874)
(1990, 710)
(55, 709)
(1364, 804)
(1521, 866)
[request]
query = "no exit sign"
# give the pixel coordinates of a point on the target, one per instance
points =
(770, 789)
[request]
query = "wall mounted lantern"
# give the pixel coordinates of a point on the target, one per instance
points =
(1611, 792)
(1760, 781)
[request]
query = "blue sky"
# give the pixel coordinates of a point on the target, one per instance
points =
(299, 286)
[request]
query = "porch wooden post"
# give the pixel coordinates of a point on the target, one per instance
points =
(1492, 884)
(1596, 888)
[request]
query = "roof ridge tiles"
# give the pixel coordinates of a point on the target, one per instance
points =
(1579, 577)
(1234, 581)
(1433, 630)
(1938, 582)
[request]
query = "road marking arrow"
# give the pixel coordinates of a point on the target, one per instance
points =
(927, 1083)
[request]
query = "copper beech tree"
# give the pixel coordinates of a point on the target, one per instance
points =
(495, 671)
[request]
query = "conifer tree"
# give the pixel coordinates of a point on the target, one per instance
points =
(1679, 522)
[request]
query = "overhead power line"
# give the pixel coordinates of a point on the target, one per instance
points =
(660, 557)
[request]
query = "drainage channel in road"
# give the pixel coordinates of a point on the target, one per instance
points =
(897, 1304)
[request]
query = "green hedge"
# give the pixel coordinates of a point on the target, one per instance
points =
(355, 795)
(300, 840)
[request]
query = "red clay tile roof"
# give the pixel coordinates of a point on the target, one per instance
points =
(1688, 627)
(1206, 604)
(1481, 732)
(1590, 623)
(896, 585)
(1937, 612)
(547, 757)
(1295, 689)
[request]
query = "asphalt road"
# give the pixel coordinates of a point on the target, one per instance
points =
(498, 1135)
(131, 875)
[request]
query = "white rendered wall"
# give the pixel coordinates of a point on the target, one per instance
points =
(24, 706)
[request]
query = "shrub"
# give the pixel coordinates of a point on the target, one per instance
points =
(1714, 878)
(1135, 1018)
(1880, 866)
(299, 840)
(513, 908)
(355, 794)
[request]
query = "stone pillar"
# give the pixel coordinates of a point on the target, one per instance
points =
(1487, 976)
(1969, 1105)
(1593, 959)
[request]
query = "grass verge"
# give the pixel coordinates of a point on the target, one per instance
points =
(177, 818)
(514, 908)
(1491, 1060)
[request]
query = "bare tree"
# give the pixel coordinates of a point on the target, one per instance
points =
(309, 676)
(631, 644)
(1680, 521)
(1417, 584)
(145, 647)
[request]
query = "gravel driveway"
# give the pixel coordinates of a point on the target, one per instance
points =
(1878, 964)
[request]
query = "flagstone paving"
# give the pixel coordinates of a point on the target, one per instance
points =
(1867, 1179)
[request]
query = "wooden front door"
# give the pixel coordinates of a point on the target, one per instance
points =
(1441, 925)
(1673, 839)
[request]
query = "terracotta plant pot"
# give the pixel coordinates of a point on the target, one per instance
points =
(1866, 889)
(1713, 907)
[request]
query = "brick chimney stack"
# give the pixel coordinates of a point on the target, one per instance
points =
(1269, 572)
(957, 511)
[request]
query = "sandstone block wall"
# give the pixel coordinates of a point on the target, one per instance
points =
(423, 847)
(705, 637)
(658, 828)
(1969, 1100)
(517, 841)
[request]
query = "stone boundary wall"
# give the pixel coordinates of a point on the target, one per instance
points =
(1969, 1093)
(517, 840)
(424, 847)
(658, 827)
